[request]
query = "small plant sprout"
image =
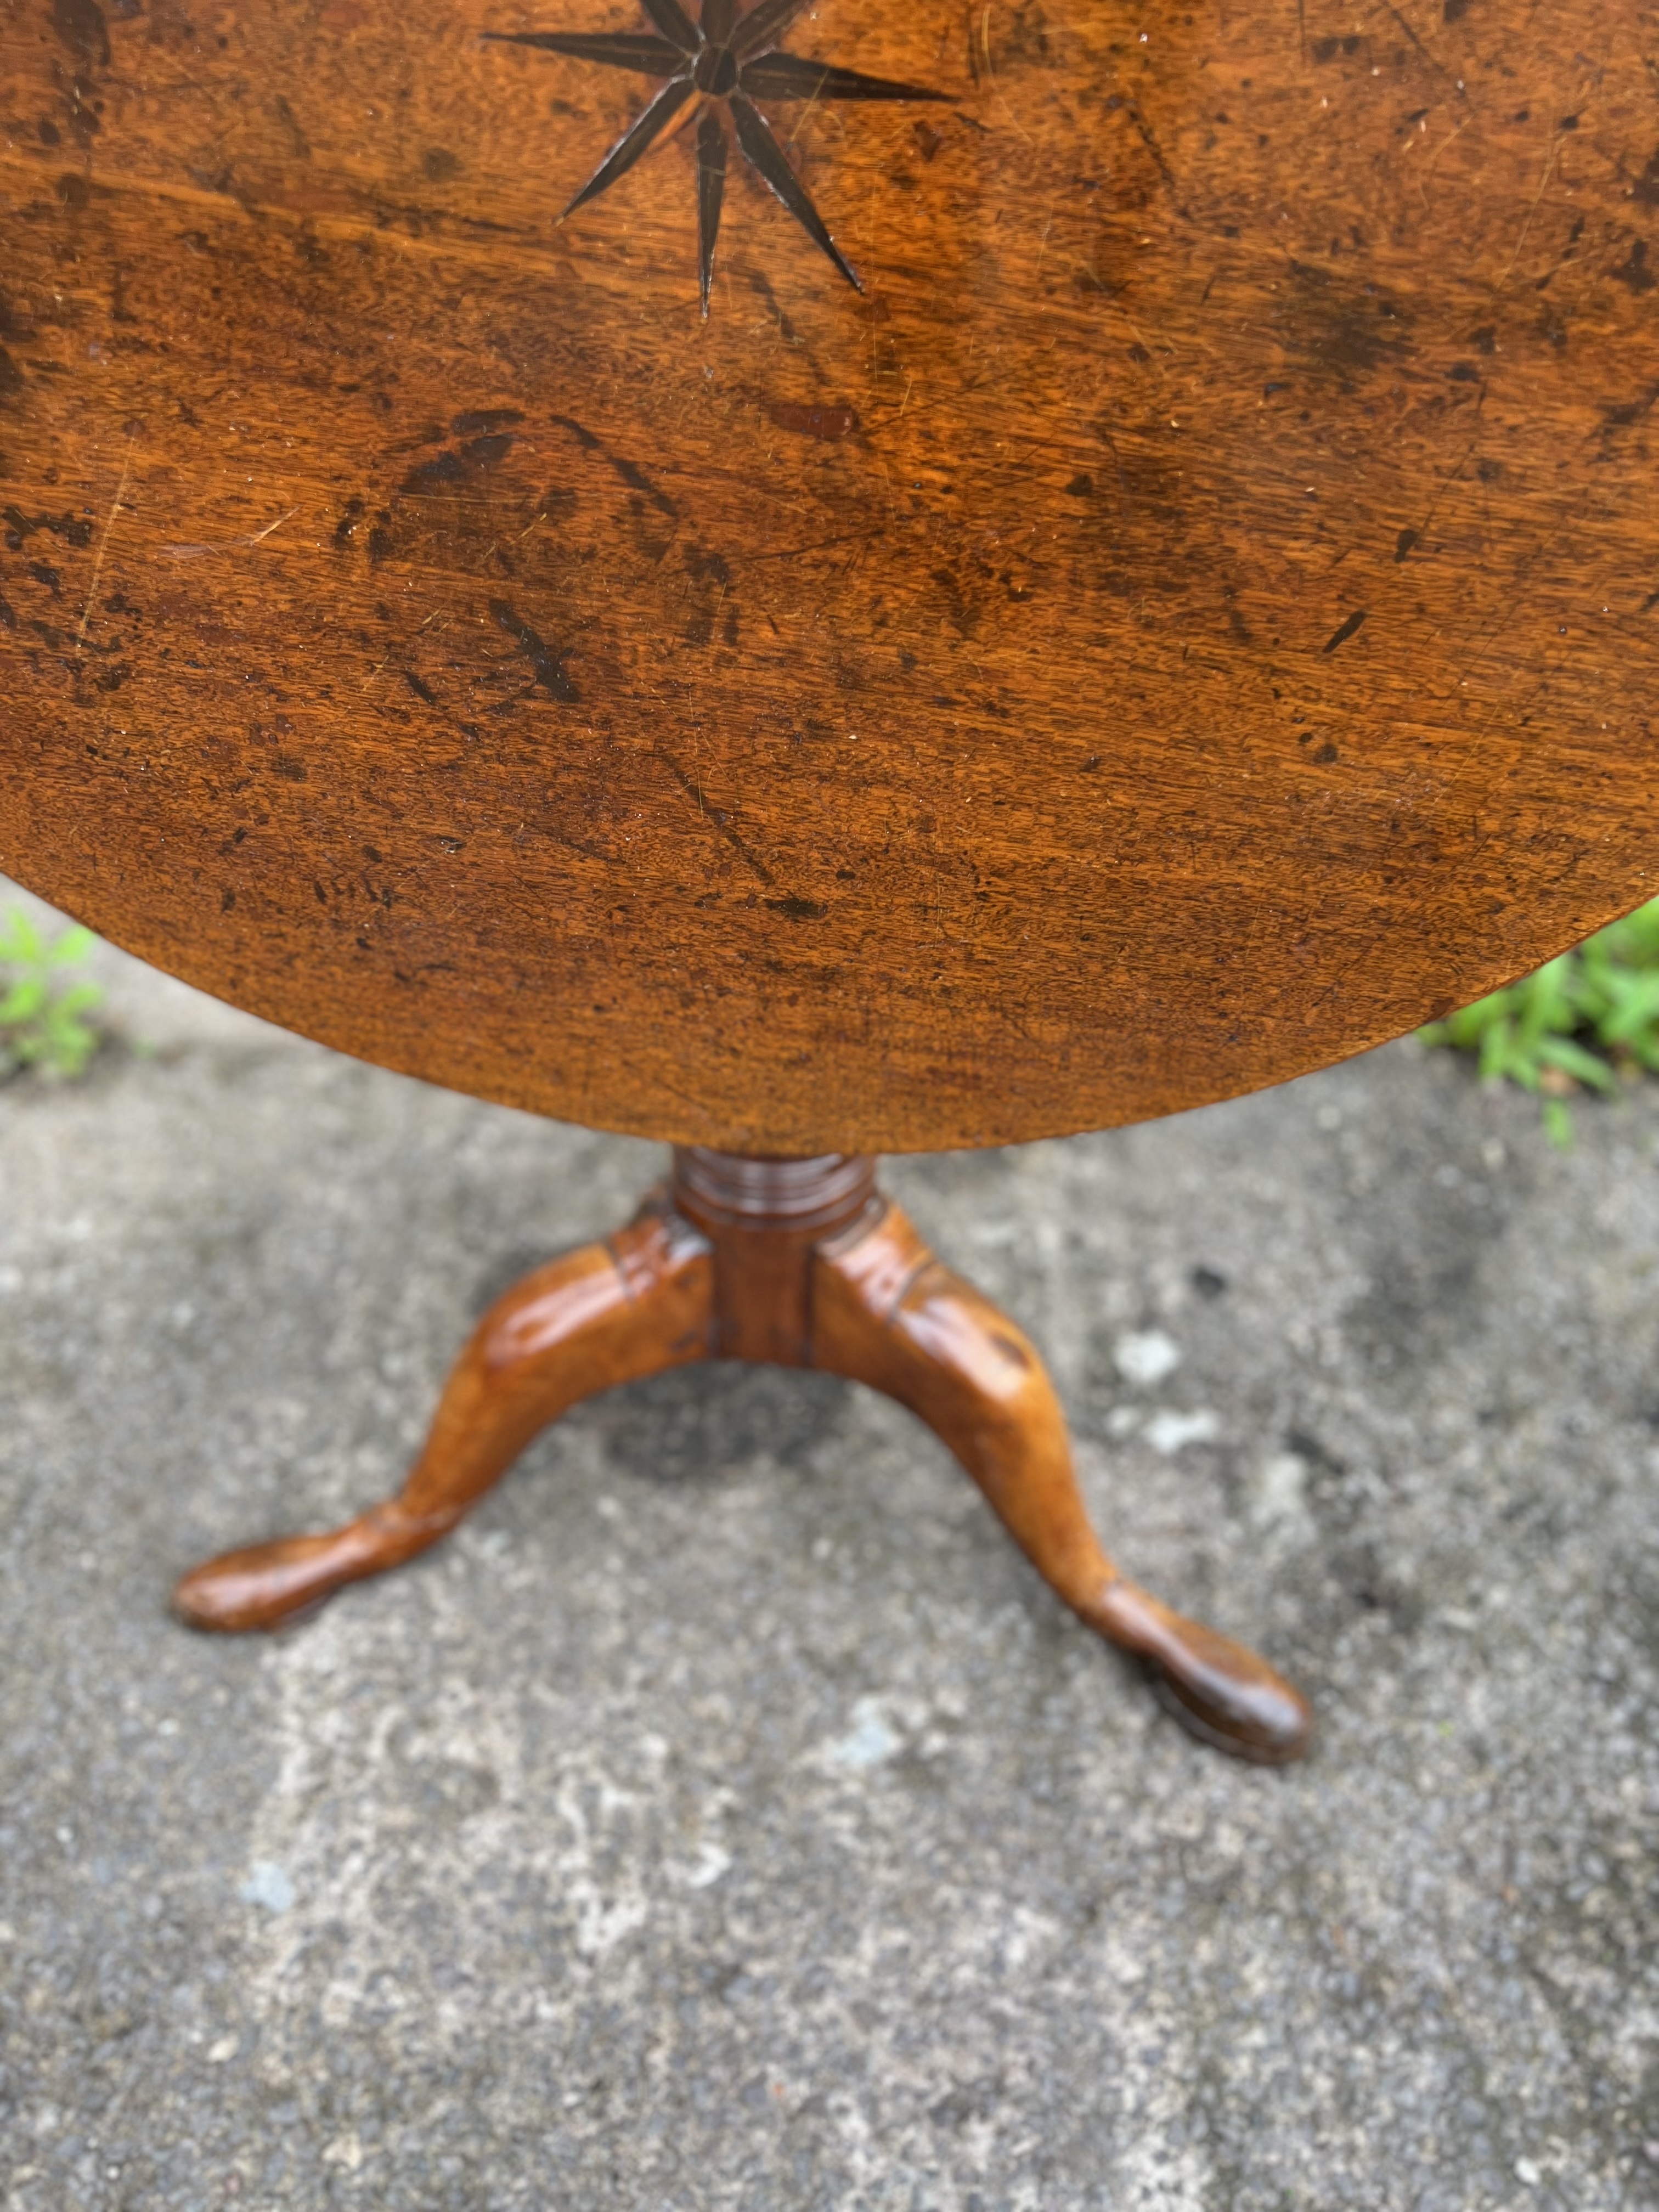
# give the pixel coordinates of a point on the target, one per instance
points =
(43, 1011)
(1576, 1025)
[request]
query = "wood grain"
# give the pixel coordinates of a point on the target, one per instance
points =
(1191, 617)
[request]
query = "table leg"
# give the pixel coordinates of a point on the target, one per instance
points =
(607, 1313)
(885, 1312)
(798, 1263)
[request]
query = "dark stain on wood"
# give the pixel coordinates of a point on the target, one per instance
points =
(815, 420)
(548, 665)
(80, 25)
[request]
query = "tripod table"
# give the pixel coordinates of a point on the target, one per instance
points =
(804, 581)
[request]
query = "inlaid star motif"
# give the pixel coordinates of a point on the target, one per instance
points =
(725, 64)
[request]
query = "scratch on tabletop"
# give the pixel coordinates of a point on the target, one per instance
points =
(1432, 60)
(1408, 539)
(985, 49)
(1475, 640)
(1434, 157)
(801, 119)
(259, 536)
(1555, 149)
(386, 663)
(1117, 465)
(713, 815)
(1149, 140)
(819, 545)
(103, 543)
(892, 503)
(1135, 328)
(520, 258)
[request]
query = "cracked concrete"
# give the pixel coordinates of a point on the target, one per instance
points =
(726, 1818)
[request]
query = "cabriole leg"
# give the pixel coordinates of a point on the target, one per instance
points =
(608, 1312)
(886, 1313)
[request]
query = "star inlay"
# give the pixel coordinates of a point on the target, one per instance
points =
(727, 64)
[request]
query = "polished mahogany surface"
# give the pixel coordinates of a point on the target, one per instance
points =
(1144, 579)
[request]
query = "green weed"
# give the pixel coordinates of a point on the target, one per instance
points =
(1576, 1025)
(43, 1013)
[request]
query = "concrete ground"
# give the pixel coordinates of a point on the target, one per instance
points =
(727, 1817)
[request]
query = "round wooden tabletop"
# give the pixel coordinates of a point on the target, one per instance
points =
(1004, 570)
